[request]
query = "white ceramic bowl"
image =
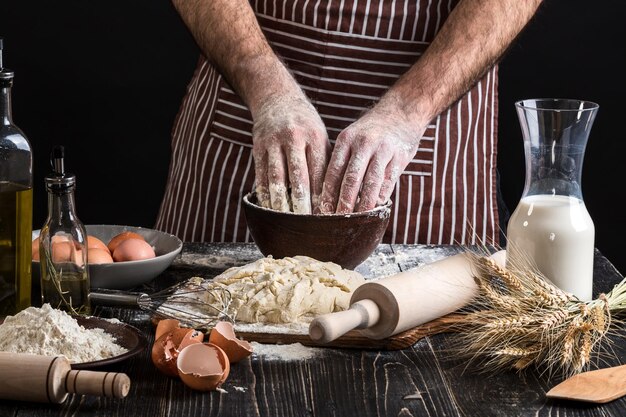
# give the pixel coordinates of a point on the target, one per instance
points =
(125, 275)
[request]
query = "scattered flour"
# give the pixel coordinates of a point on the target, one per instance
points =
(282, 328)
(290, 352)
(48, 331)
(240, 389)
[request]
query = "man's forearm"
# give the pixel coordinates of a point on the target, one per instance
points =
(473, 38)
(230, 37)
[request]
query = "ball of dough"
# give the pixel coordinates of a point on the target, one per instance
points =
(287, 290)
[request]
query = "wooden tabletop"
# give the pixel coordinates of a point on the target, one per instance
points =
(423, 380)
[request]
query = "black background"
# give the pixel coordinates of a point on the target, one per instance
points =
(105, 79)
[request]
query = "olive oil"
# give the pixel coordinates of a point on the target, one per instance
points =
(69, 292)
(16, 205)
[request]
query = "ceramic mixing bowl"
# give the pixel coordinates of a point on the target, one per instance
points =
(346, 239)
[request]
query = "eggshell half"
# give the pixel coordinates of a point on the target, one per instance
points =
(166, 349)
(223, 335)
(203, 367)
(166, 326)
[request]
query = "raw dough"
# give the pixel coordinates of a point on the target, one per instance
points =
(287, 290)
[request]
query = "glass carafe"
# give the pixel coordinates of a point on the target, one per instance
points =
(551, 225)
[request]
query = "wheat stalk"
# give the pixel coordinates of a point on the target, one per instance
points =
(520, 319)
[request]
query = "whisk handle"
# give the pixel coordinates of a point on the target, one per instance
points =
(118, 298)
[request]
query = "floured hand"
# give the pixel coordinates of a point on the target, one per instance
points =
(368, 158)
(291, 151)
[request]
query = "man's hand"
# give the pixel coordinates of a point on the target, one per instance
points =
(291, 151)
(372, 152)
(368, 158)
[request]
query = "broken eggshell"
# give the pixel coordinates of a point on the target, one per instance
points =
(223, 335)
(166, 326)
(168, 346)
(203, 366)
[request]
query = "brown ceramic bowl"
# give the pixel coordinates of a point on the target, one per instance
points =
(346, 239)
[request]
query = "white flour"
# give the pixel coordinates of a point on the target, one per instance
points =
(290, 352)
(48, 331)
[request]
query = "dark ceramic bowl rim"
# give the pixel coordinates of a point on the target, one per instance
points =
(370, 213)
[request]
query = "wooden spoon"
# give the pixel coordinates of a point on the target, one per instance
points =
(599, 386)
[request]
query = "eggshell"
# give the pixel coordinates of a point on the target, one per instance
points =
(94, 242)
(167, 347)
(203, 366)
(133, 250)
(98, 256)
(117, 239)
(223, 335)
(166, 326)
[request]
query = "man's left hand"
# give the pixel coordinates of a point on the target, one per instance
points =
(367, 161)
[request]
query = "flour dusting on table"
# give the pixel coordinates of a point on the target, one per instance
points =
(289, 352)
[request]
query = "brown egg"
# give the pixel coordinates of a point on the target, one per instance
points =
(36, 249)
(203, 366)
(98, 256)
(117, 239)
(65, 251)
(166, 348)
(133, 250)
(223, 335)
(95, 243)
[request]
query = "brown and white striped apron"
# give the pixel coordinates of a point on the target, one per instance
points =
(345, 54)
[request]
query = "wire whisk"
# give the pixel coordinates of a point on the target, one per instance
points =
(196, 303)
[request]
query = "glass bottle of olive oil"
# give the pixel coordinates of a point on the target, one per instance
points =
(63, 244)
(16, 205)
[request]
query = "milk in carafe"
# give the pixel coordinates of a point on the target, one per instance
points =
(557, 233)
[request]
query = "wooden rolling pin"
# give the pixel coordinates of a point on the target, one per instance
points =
(402, 301)
(50, 379)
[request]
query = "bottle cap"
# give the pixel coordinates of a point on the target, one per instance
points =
(5, 73)
(59, 180)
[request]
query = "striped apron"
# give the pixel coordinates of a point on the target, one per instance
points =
(345, 54)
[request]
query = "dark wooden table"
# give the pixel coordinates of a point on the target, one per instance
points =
(422, 380)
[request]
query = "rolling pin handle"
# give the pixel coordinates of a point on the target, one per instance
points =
(104, 384)
(326, 328)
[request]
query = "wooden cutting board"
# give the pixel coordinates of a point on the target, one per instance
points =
(354, 339)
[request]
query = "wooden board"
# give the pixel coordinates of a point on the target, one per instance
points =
(354, 339)
(386, 260)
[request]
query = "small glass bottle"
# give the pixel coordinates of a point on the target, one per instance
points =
(63, 244)
(16, 205)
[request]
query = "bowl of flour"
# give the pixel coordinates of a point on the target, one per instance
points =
(86, 341)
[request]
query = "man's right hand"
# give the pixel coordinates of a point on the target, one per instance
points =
(291, 151)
